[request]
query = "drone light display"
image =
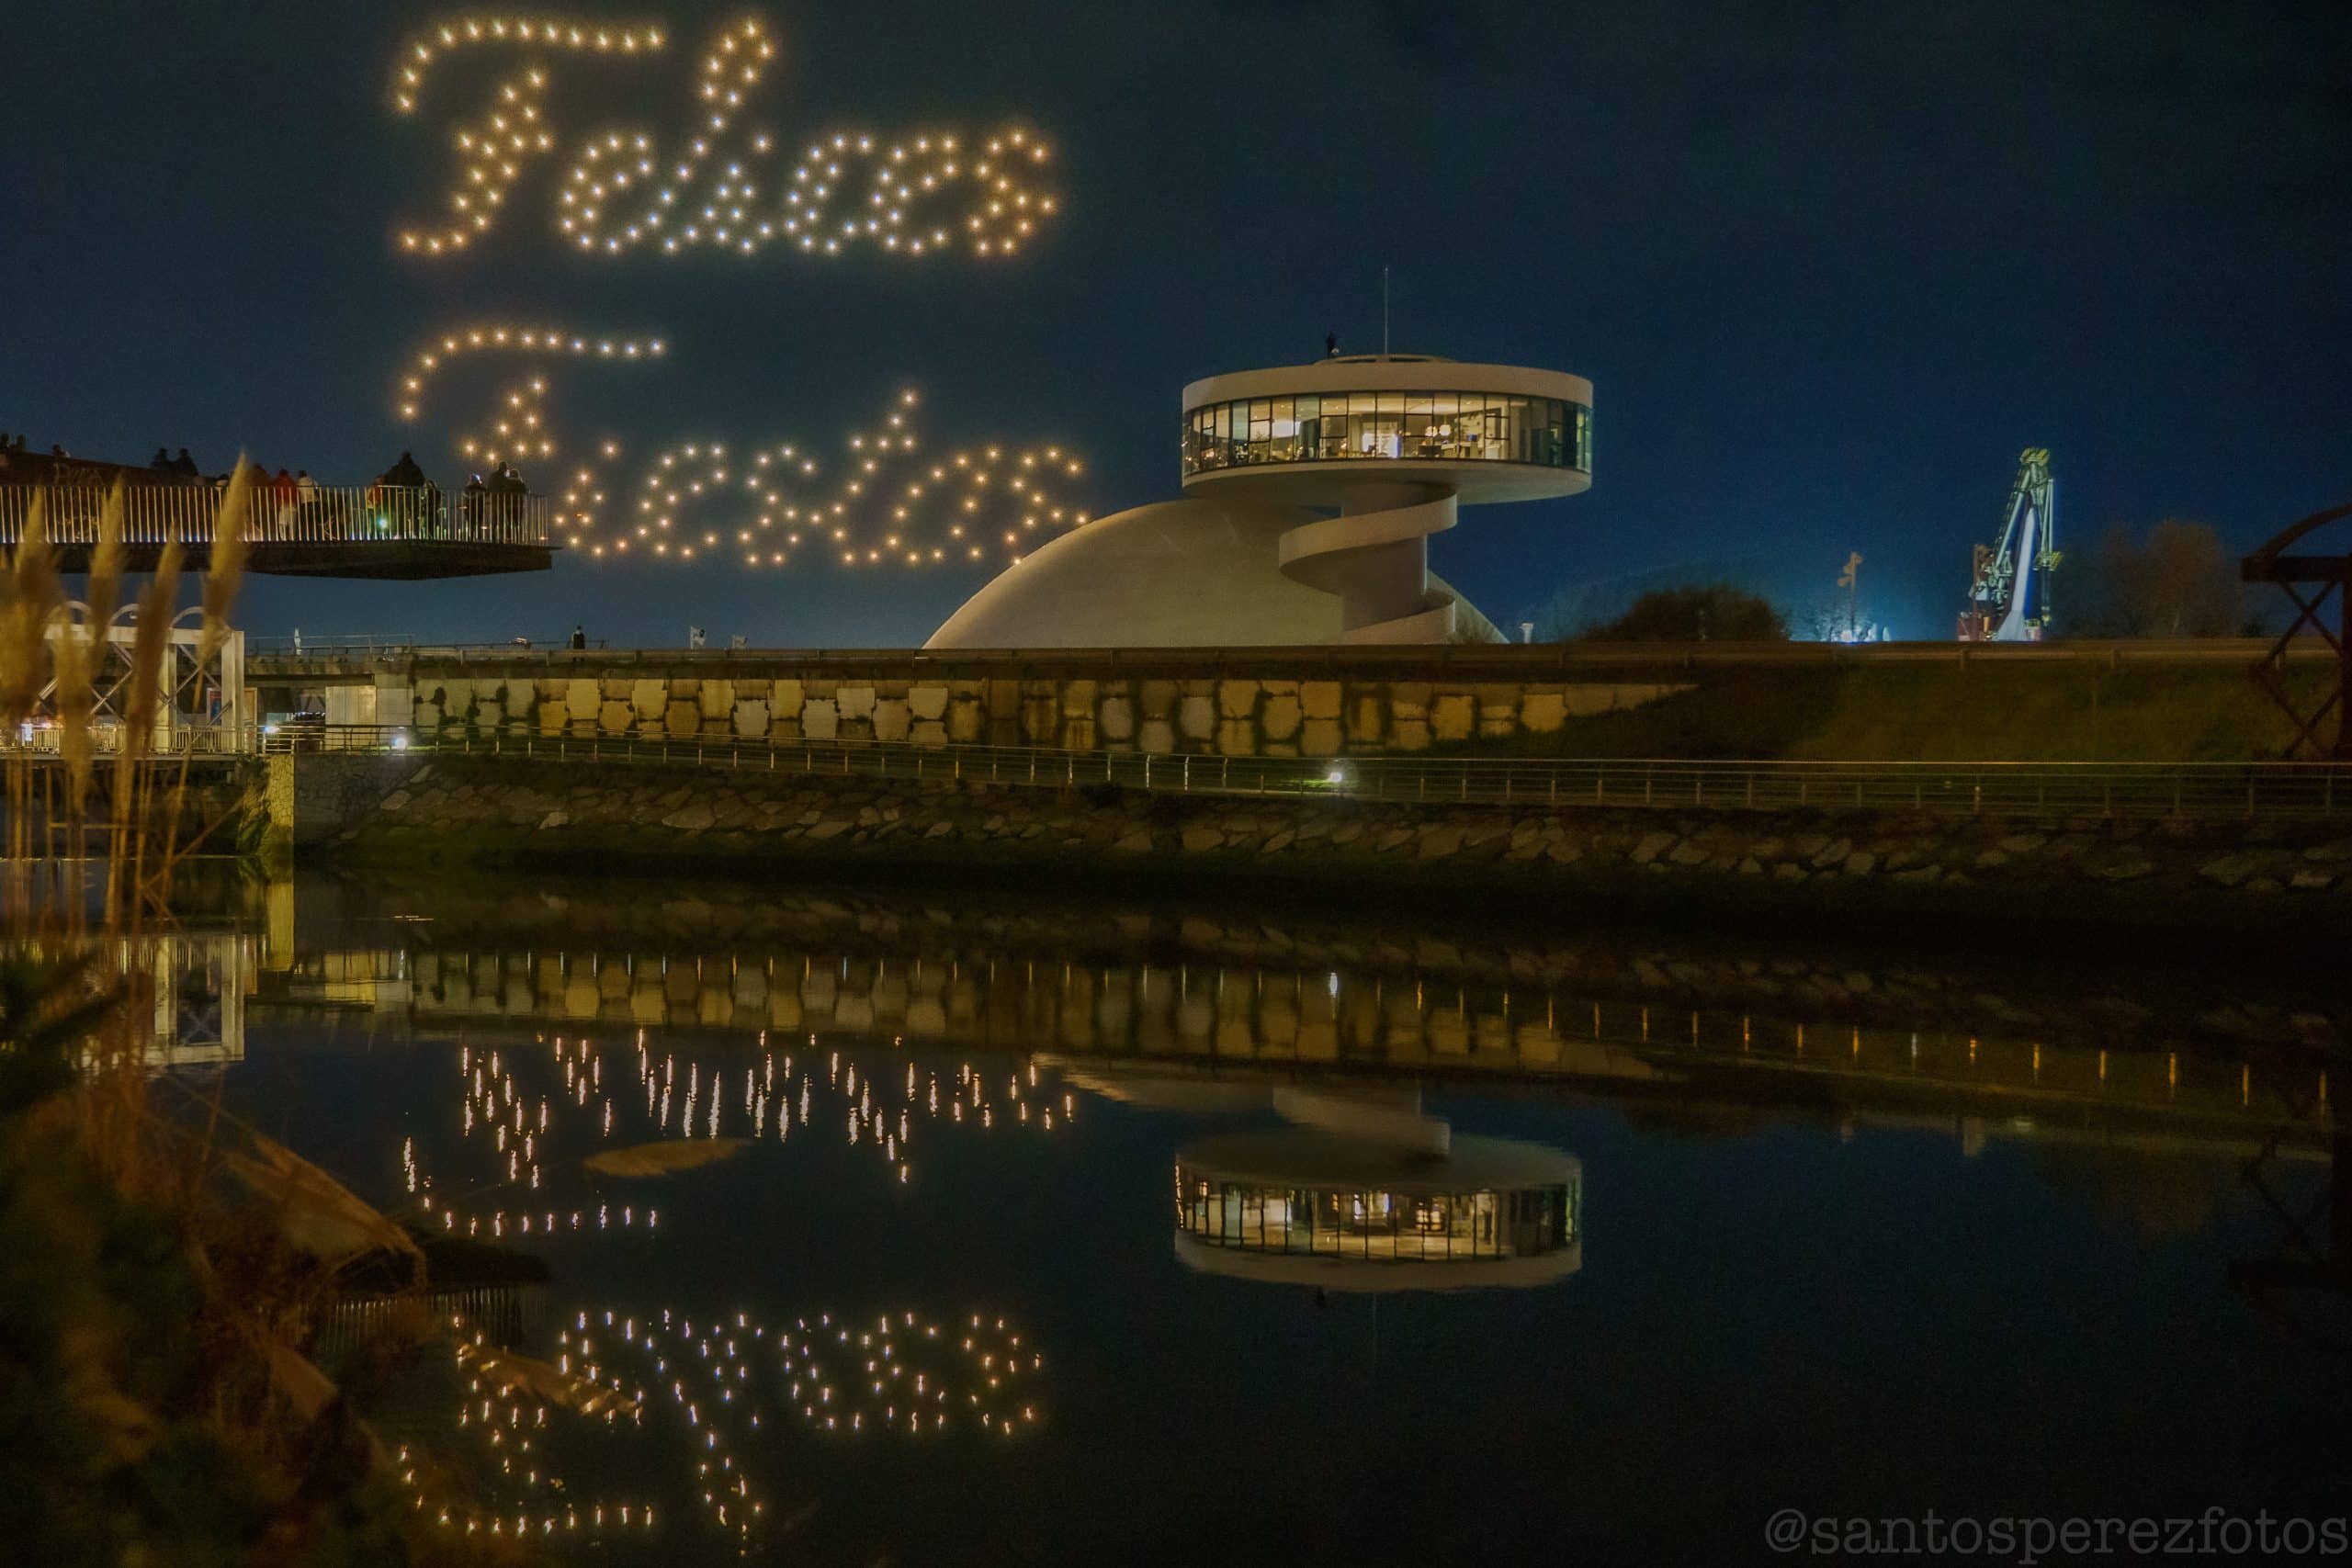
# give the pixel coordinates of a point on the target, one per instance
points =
(879, 504)
(511, 1107)
(886, 506)
(541, 341)
(725, 1392)
(911, 194)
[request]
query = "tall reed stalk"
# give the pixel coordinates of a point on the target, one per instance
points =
(80, 653)
(192, 1326)
(143, 703)
(224, 573)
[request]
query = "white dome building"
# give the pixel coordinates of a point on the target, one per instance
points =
(1173, 574)
(1255, 556)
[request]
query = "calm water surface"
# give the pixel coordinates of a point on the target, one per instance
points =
(1072, 1232)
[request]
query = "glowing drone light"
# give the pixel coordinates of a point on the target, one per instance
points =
(695, 496)
(517, 427)
(625, 191)
(517, 430)
(447, 37)
(493, 149)
(552, 342)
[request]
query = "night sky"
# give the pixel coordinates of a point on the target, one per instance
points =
(1828, 265)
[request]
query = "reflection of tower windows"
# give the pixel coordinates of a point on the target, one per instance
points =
(1354, 1212)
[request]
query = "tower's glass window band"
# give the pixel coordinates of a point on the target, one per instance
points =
(1257, 1217)
(1333, 427)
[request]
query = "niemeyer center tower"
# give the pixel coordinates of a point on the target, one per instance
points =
(1310, 495)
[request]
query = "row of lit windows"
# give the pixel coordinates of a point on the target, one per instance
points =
(1375, 1224)
(1437, 427)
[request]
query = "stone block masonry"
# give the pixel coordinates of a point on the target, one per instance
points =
(1344, 711)
(2142, 701)
(309, 799)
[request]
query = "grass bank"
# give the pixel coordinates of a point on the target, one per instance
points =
(1944, 712)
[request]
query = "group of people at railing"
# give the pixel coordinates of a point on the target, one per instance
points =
(494, 507)
(173, 497)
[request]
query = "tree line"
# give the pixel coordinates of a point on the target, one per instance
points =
(2175, 580)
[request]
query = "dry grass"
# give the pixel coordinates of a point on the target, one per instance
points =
(226, 568)
(79, 652)
(139, 1369)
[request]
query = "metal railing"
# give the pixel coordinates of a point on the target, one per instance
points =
(156, 513)
(1450, 662)
(40, 739)
(269, 655)
(304, 644)
(2192, 790)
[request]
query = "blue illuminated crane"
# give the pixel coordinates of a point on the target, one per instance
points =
(2009, 601)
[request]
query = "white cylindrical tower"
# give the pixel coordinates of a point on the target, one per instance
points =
(1393, 443)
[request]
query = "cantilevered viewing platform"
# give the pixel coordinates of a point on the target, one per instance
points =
(358, 531)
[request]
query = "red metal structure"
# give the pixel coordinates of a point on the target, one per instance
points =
(2329, 575)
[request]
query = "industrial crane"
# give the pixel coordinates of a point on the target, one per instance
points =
(2009, 599)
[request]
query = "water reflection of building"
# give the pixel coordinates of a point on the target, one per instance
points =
(890, 974)
(347, 975)
(1361, 1192)
(1217, 1017)
(1302, 1207)
(197, 1013)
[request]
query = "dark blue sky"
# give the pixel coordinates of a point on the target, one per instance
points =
(1829, 266)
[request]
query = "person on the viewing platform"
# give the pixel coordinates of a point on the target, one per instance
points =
(161, 462)
(184, 465)
(283, 490)
(405, 473)
(475, 491)
(507, 489)
(579, 638)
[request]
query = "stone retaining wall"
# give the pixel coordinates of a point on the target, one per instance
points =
(307, 801)
(1229, 715)
(509, 811)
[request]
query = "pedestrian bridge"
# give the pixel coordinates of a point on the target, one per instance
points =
(370, 531)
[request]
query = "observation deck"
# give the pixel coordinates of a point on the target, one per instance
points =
(1311, 432)
(1396, 443)
(358, 531)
